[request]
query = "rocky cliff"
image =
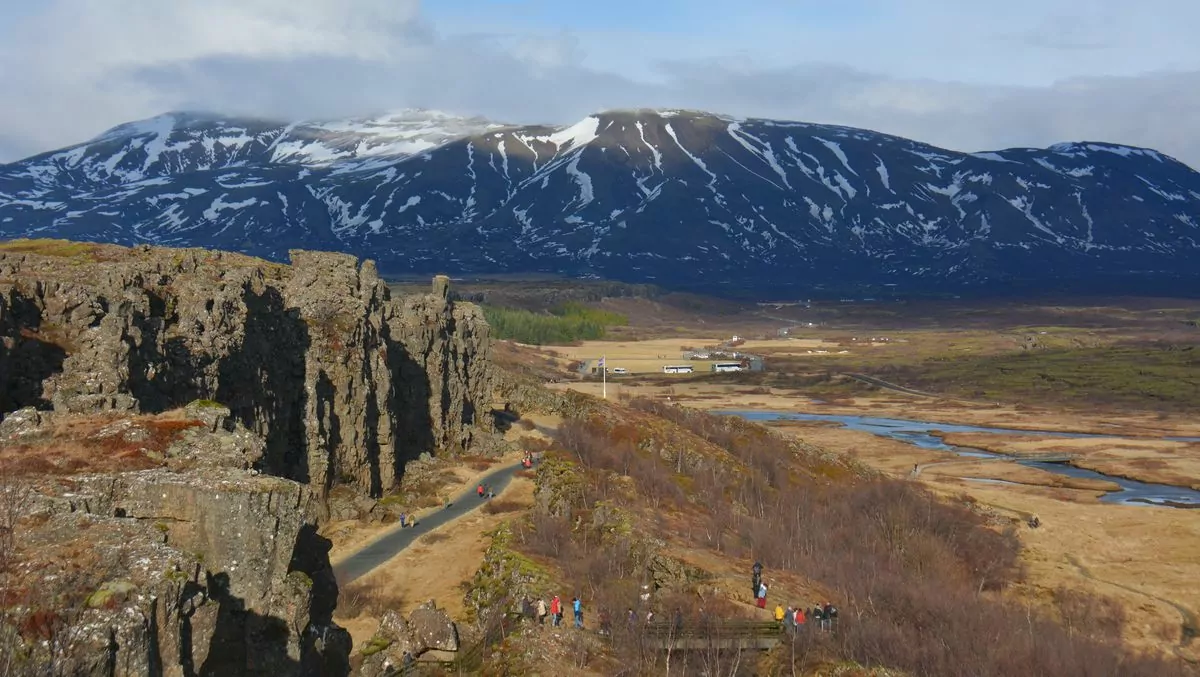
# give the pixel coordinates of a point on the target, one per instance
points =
(147, 545)
(344, 383)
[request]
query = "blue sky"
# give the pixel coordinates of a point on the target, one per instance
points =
(965, 75)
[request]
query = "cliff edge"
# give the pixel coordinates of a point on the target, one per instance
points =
(344, 383)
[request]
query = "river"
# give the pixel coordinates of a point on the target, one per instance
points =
(919, 433)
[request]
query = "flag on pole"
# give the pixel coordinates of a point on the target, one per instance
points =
(600, 363)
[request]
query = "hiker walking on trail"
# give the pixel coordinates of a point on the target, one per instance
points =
(403, 519)
(541, 611)
(556, 610)
(779, 615)
(479, 490)
(789, 620)
(800, 619)
(762, 595)
(577, 607)
(830, 615)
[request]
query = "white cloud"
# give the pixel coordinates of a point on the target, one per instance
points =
(938, 71)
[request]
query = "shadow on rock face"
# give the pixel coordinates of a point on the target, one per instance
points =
(325, 647)
(27, 357)
(244, 642)
(262, 381)
(413, 415)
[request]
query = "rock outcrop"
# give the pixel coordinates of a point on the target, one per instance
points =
(342, 382)
(198, 565)
(427, 628)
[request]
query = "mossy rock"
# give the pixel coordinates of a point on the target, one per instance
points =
(206, 404)
(503, 574)
(375, 645)
(558, 485)
(111, 592)
(300, 579)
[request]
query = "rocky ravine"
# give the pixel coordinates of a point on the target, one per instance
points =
(343, 382)
(173, 421)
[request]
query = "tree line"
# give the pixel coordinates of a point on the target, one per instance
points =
(565, 324)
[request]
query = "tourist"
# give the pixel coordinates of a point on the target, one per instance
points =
(403, 519)
(831, 614)
(779, 614)
(479, 490)
(818, 616)
(789, 619)
(577, 607)
(541, 611)
(762, 595)
(556, 610)
(800, 619)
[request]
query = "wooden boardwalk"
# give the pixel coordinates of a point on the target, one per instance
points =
(733, 635)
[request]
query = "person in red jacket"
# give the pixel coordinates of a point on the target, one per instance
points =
(479, 491)
(556, 610)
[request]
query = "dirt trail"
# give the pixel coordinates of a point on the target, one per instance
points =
(1189, 626)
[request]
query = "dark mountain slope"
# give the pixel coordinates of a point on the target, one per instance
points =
(681, 199)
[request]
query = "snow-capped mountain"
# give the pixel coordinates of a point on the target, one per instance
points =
(684, 199)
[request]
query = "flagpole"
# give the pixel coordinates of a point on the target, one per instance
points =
(604, 378)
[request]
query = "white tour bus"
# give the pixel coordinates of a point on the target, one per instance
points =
(727, 366)
(678, 369)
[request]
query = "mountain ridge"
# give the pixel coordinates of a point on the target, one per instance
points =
(683, 199)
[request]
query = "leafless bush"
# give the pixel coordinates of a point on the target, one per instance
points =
(367, 598)
(1090, 614)
(498, 506)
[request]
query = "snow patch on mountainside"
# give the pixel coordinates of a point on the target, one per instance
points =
(689, 197)
(577, 135)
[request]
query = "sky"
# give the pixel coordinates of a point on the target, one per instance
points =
(968, 75)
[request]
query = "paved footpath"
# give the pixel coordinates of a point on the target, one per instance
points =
(368, 558)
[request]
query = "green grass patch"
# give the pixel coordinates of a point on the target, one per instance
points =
(1146, 377)
(567, 323)
(48, 247)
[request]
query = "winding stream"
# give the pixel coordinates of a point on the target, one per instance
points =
(918, 433)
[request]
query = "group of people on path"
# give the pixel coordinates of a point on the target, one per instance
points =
(555, 610)
(792, 619)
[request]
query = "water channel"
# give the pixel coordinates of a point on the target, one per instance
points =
(919, 433)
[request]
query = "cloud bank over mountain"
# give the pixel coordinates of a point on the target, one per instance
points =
(967, 78)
